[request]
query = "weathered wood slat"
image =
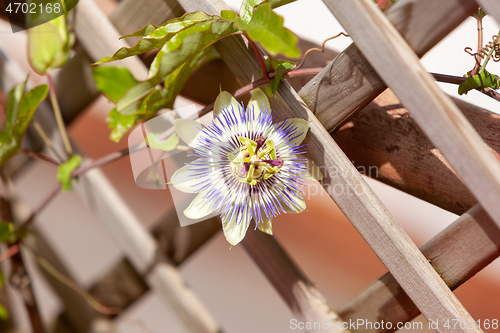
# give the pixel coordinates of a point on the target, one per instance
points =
(349, 82)
(296, 289)
(435, 112)
(385, 136)
(100, 38)
(457, 253)
(362, 207)
(132, 15)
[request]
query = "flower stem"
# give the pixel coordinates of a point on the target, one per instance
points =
(59, 119)
(479, 19)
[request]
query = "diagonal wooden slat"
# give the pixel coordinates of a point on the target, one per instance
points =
(291, 283)
(349, 82)
(433, 110)
(383, 135)
(457, 253)
(436, 114)
(358, 202)
(100, 38)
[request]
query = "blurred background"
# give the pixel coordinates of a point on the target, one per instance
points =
(321, 240)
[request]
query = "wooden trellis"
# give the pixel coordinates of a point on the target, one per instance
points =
(381, 57)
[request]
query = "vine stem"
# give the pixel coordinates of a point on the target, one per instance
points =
(59, 118)
(39, 156)
(259, 57)
(459, 80)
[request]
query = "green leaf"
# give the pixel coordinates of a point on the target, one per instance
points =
(165, 145)
(49, 45)
(27, 108)
(247, 7)
(228, 15)
(5, 231)
(186, 44)
(113, 82)
(13, 101)
(157, 99)
(155, 37)
(66, 169)
(278, 65)
(267, 28)
(120, 124)
(2, 279)
(479, 80)
(20, 110)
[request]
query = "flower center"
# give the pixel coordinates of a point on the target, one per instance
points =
(254, 161)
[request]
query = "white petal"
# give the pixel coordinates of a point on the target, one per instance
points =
(236, 232)
(313, 171)
(187, 180)
(225, 100)
(267, 226)
(188, 130)
(302, 128)
(198, 208)
(258, 101)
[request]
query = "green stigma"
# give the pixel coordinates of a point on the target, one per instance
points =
(254, 161)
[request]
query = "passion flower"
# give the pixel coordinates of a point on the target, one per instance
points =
(249, 165)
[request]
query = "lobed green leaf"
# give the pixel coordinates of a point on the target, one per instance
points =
(180, 49)
(479, 80)
(156, 99)
(228, 15)
(155, 37)
(20, 110)
(247, 7)
(66, 169)
(113, 82)
(267, 28)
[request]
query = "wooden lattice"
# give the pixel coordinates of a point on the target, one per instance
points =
(344, 91)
